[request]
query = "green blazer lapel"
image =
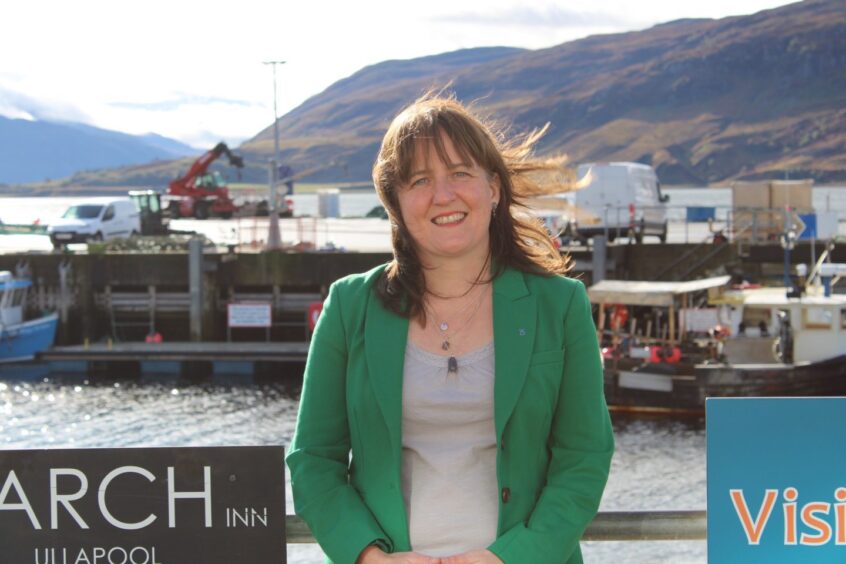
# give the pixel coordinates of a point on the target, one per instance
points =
(385, 336)
(515, 312)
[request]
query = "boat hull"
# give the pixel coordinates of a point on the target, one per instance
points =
(685, 387)
(23, 341)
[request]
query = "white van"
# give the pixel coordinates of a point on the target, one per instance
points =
(98, 219)
(625, 200)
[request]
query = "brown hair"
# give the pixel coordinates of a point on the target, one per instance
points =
(517, 240)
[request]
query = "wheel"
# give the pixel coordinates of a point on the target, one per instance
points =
(133, 234)
(663, 235)
(97, 237)
(201, 210)
(226, 215)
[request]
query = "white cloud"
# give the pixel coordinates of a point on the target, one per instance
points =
(179, 101)
(551, 16)
(16, 105)
(11, 111)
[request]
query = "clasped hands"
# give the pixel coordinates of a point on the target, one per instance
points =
(374, 555)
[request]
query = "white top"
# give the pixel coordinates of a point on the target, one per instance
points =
(449, 451)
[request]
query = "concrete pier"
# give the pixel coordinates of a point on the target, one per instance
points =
(183, 358)
(124, 297)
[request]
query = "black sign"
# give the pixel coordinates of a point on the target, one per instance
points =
(143, 506)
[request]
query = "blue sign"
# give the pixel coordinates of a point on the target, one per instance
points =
(701, 213)
(776, 480)
(810, 221)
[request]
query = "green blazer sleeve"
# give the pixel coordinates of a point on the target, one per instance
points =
(580, 446)
(319, 454)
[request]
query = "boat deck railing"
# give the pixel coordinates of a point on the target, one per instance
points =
(607, 526)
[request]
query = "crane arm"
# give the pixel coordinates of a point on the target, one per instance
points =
(202, 164)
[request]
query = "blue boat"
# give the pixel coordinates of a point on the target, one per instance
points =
(20, 338)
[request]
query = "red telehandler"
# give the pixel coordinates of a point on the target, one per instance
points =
(202, 194)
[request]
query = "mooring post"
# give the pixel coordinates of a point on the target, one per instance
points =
(195, 282)
(599, 262)
(86, 282)
(64, 298)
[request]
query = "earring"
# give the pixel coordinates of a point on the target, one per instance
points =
(493, 207)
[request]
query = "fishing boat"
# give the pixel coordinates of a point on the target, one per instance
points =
(703, 338)
(21, 338)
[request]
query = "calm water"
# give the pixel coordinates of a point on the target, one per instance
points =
(659, 464)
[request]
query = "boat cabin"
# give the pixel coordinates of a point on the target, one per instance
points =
(750, 325)
(676, 312)
(766, 325)
(12, 298)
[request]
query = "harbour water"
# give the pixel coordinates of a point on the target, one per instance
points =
(659, 464)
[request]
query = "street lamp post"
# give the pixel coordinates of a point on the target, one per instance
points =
(273, 238)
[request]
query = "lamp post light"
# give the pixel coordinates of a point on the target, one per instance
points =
(273, 238)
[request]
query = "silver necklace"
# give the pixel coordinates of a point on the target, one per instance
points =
(443, 327)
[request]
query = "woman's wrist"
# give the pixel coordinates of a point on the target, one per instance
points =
(370, 554)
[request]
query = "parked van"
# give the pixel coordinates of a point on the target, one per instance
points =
(98, 219)
(624, 198)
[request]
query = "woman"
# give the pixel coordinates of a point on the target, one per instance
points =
(464, 376)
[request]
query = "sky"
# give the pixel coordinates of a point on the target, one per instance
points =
(194, 71)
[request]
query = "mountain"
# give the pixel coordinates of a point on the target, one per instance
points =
(703, 101)
(34, 151)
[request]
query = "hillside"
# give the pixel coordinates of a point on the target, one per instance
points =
(37, 151)
(701, 100)
(704, 101)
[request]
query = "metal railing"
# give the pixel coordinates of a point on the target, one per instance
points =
(749, 225)
(607, 526)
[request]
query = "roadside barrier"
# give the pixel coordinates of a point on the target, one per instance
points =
(607, 526)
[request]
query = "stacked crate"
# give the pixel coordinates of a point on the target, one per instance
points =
(759, 208)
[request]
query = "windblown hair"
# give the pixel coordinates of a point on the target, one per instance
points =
(517, 240)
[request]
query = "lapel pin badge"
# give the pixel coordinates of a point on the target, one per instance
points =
(521, 332)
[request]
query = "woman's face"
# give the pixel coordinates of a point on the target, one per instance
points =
(447, 206)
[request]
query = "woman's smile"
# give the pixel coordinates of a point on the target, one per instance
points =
(449, 219)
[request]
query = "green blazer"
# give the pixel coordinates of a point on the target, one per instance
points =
(553, 430)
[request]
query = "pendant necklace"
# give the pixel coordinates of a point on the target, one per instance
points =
(443, 326)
